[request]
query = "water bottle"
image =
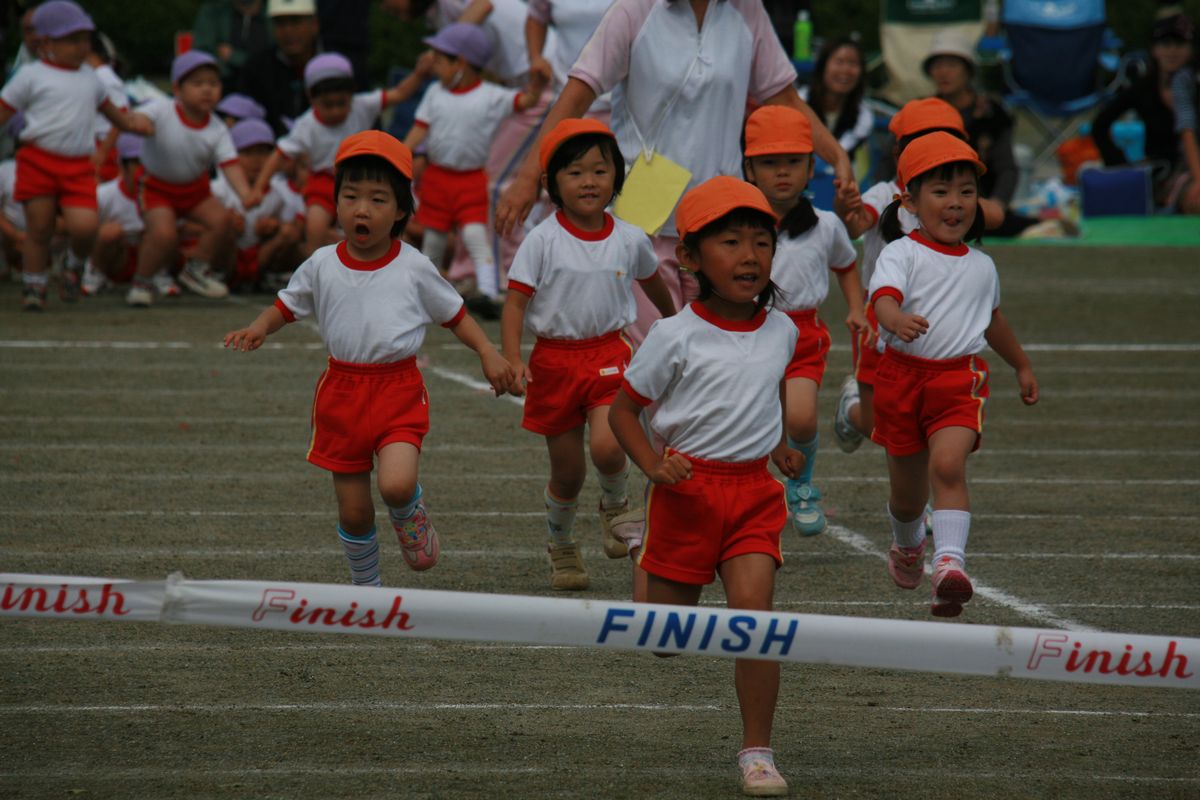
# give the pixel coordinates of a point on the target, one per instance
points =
(802, 37)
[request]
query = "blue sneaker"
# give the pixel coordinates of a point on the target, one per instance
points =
(804, 508)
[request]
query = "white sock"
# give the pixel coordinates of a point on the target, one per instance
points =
(433, 245)
(950, 531)
(36, 280)
(613, 488)
(73, 262)
(487, 277)
(560, 519)
(907, 534)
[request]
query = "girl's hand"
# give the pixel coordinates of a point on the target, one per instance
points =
(787, 460)
(671, 470)
(499, 373)
(1028, 383)
(858, 324)
(246, 339)
(521, 378)
(910, 326)
(540, 66)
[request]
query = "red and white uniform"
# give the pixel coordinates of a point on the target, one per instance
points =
(273, 205)
(178, 157)
(716, 383)
(580, 285)
(292, 197)
(13, 211)
(116, 204)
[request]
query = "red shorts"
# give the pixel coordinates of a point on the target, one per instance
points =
(246, 267)
(318, 191)
(180, 197)
(723, 511)
(866, 359)
(69, 179)
(129, 268)
(359, 408)
(570, 378)
(914, 397)
(811, 347)
(451, 198)
(111, 166)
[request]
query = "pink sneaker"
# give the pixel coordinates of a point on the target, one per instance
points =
(951, 588)
(760, 778)
(906, 565)
(418, 539)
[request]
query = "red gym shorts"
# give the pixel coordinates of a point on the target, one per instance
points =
(915, 397)
(866, 359)
(40, 173)
(246, 265)
(451, 198)
(724, 510)
(570, 377)
(318, 191)
(359, 408)
(180, 197)
(812, 346)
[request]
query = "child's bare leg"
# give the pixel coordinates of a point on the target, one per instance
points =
(356, 526)
(214, 220)
(909, 480)
(948, 451)
(668, 592)
(81, 225)
(862, 415)
(399, 463)
(750, 583)
(318, 229)
(109, 249)
(159, 241)
(568, 467)
(39, 228)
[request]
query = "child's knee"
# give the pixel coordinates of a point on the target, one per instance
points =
(397, 490)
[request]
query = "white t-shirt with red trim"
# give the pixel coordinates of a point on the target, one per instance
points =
(875, 200)
(462, 122)
(59, 104)
(371, 312)
(580, 283)
(115, 204)
(716, 382)
(955, 288)
(181, 151)
(319, 142)
(802, 264)
(13, 211)
(116, 95)
(273, 206)
(293, 199)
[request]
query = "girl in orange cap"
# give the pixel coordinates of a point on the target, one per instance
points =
(938, 304)
(778, 160)
(715, 371)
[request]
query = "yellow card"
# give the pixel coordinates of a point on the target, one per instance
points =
(651, 191)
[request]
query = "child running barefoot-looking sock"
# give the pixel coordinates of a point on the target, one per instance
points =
(938, 303)
(373, 297)
(812, 242)
(571, 284)
(716, 370)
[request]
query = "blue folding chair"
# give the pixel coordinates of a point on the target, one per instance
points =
(1056, 54)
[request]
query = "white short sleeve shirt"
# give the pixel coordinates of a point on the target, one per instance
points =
(115, 87)
(580, 284)
(462, 122)
(115, 204)
(876, 199)
(802, 264)
(574, 22)
(273, 206)
(59, 104)
(319, 142)
(181, 151)
(716, 382)
(13, 211)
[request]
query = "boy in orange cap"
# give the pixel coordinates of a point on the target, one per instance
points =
(373, 297)
(715, 371)
(571, 284)
(938, 305)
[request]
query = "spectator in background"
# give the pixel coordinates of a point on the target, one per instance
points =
(232, 30)
(835, 92)
(346, 29)
(1149, 96)
(28, 51)
(1184, 193)
(274, 76)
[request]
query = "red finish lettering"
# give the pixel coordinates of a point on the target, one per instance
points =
(66, 599)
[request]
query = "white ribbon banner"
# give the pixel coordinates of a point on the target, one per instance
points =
(1043, 654)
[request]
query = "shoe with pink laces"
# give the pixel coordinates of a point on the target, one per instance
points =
(951, 588)
(418, 539)
(906, 565)
(760, 778)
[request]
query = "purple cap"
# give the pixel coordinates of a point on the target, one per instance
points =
(462, 39)
(129, 145)
(190, 61)
(326, 66)
(241, 107)
(59, 18)
(250, 132)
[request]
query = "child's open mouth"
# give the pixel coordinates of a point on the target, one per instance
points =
(362, 229)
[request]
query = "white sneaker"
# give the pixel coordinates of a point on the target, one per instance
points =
(94, 281)
(202, 281)
(165, 285)
(139, 297)
(848, 437)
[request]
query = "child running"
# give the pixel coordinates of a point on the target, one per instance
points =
(59, 96)
(716, 370)
(571, 284)
(812, 242)
(373, 296)
(938, 303)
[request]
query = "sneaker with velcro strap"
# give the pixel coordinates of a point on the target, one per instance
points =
(906, 565)
(760, 776)
(200, 279)
(418, 539)
(951, 588)
(566, 567)
(614, 546)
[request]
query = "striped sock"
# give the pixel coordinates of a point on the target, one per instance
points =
(401, 513)
(363, 554)
(614, 488)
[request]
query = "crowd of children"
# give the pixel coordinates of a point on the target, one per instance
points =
(720, 388)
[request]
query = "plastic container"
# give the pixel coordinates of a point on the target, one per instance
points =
(802, 37)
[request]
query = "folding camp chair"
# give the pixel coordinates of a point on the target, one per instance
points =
(906, 31)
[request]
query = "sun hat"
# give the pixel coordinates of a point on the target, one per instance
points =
(291, 8)
(951, 43)
(1176, 27)
(241, 106)
(568, 129)
(129, 146)
(462, 39)
(927, 114)
(932, 151)
(189, 62)
(379, 144)
(778, 129)
(325, 66)
(715, 198)
(59, 18)
(250, 132)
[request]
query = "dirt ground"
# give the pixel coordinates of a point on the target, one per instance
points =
(132, 445)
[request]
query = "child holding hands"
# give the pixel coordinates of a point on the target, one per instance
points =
(716, 370)
(938, 303)
(373, 296)
(571, 284)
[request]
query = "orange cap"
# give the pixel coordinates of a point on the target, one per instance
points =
(778, 129)
(933, 150)
(568, 129)
(715, 198)
(378, 144)
(927, 114)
